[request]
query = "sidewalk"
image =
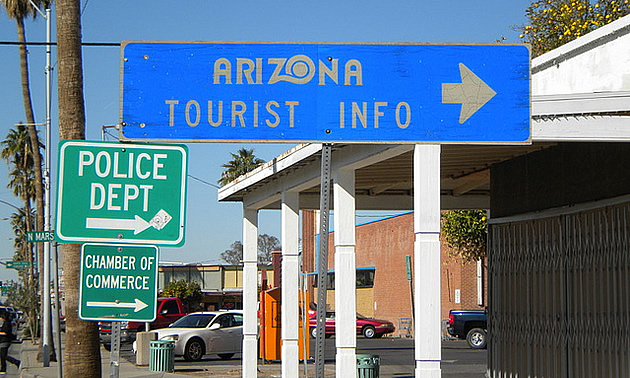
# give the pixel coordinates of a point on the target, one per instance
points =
(31, 368)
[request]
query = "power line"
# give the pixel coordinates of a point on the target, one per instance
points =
(203, 181)
(97, 44)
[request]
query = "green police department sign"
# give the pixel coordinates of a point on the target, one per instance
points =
(121, 193)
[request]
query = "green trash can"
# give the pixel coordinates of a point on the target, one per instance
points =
(368, 365)
(162, 355)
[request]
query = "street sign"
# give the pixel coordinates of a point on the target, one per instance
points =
(121, 193)
(18, 264)
(40, 236)
(118, 282)
(309, 92)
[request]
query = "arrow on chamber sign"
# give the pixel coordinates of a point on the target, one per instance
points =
(137, 305)
(473, 93)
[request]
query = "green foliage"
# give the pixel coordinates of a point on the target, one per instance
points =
(234, 255)
(189, 293)
(266, 245)
(27, 299)
(553, 23)
(242, 162)
(465, 232)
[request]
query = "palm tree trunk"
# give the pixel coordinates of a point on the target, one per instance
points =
(82, 356)
(37, 161)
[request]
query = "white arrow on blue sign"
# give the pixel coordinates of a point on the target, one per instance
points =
(310, 92)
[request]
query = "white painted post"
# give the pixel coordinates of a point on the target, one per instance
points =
(345, 273)
(250, 292)
(426, 180)
(290, 283)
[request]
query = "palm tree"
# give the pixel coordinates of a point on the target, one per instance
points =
(21, 10)
(28, 294)
(242, 162)
(82, 357)
(17, 153)
(19, 224)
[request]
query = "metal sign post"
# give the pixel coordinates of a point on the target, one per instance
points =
(56, 309)
(115, 351)
(322, 266)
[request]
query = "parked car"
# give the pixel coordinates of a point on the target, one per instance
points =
(12, 316)
(368, 327)
(471, 325)
(168, 310)
(201, 333)
(21, 318)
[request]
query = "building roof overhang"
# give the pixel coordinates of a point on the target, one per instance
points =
(593, 110)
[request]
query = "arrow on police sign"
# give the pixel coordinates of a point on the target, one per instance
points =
(119, 192)
(118, 282)
(310, 92)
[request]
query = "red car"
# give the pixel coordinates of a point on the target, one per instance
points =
(367, 327)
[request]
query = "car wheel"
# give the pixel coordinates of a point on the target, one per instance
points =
(476, 338)
(225, 356)
(194, 350)
(369, 332)
(314, 332)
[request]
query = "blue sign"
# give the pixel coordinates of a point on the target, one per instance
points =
(289, 92)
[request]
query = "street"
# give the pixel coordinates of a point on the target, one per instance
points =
(397, 358)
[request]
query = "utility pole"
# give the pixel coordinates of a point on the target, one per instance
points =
(47, 331)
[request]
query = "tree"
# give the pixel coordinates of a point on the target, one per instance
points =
(189, 293)
(242, 162)
(22, 248)
(266, 245)
(21, 10)
(553, 23)
(82, 357)
(234, 255)
(466, 232)
(16, 152)
(25, 298)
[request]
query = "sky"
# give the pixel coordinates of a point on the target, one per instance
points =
(212, 226)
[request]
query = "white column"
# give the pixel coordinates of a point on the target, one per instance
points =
(345, 273)
(426, 186)
(290, 283)
(250, 292)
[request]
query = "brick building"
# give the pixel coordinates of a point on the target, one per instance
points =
(383, 290)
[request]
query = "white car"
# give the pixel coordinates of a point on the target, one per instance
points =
(201, 333)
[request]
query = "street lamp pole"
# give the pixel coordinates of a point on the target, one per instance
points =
(10, 204)
(47, 245)
(46, 173)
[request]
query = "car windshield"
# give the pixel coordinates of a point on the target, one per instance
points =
(359, 316)
(194, 321)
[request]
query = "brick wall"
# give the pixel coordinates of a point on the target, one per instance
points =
(383, 245)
